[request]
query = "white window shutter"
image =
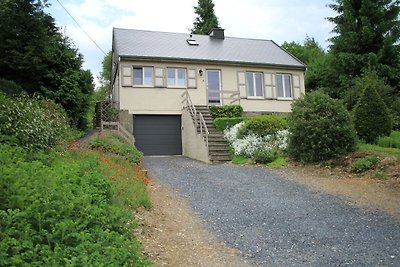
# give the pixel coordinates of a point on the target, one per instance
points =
(270, 85)
(126, 76)
(159, 77)
(296, 86)
(191, 81)
(242, 84)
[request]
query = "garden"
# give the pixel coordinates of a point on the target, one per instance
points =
(62, 205)
(319, 131)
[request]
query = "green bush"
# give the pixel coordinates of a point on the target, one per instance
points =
(222, 123)
(320, 127)
(226, 111)
(364, 164)
(57, 209)
(263, 125)
(264, 156)
(10, 87)
(117, 145)
(36, 123)
(392, 141)
(371, 116)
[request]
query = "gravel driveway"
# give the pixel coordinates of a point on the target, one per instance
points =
(276, 222)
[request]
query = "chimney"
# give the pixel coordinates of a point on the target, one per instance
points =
(217, 33)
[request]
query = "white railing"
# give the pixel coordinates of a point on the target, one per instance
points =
(226, 97)
(197, 116)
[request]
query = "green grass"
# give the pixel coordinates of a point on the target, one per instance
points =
(379, 149)
(238, 159)
(277, 163)
(392, 141)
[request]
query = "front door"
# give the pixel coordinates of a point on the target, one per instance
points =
(214, 87)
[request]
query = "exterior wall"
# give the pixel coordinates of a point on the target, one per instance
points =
(193, 145)
(162, 100)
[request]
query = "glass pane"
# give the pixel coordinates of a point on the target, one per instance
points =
(279, 85)
(288, 86)
(213, 80)
(148, 76)
(170, 77)
(259, 86)
(250, 83)
(181, 77)
(137, 76)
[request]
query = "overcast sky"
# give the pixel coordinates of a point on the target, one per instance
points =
(277, 20)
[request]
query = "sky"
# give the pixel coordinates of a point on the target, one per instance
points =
(277, 20)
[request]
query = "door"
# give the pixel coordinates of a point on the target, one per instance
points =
(214, 87)
(158, 134)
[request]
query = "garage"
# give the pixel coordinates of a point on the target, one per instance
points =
(158, 134)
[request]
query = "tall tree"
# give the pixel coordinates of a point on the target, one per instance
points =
(313, 55)
(37, 57)
(368, 33)
(206, 19)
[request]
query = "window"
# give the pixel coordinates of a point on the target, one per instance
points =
(192, 42)
(254, 84)
(284, 85)
(176, 77)
(143, 76)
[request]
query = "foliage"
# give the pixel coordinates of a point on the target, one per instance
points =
(378, 149)
(321, 128)
(248, 144)
(263, 125)
(390, 141)
(206, 19)
(115, 144)
(224, 123)
(41, 60)
(313, 55)
(278, 162)
(10, 87)
(58, 209)
(364, 164)
(265, 156)
(371, 116)
(368, 32)
(239, 159)
(226, 111)
(35, 122)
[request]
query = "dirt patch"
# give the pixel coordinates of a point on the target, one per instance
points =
(172, 235)
(360, 190)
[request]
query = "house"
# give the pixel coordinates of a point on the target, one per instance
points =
(155, 74)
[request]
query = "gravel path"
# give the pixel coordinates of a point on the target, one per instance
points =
(276, 222)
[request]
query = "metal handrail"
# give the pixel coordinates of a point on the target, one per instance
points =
(203, 124)
(197, 121)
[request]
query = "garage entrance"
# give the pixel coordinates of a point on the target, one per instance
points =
(158, 134)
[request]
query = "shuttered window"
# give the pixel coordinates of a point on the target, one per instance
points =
(176, 77)
(143, 76)
(254, 84)
(284, 86)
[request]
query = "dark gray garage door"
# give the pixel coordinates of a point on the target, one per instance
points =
(158, 134)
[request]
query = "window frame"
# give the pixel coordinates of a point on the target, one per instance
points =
(254, 89)
(284, 97)
(176, 77)
(143, 68)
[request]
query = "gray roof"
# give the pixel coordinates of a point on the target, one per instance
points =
(129, 43)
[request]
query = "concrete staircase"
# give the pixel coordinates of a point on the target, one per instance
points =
(217, 146)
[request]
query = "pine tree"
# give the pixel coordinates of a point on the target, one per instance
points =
(367, 37)
(206, 19)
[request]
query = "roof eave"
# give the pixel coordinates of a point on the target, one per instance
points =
(199, 60)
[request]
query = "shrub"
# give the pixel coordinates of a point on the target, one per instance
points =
(115, 144)
(224, 123)
(390, 141)
(10, 87)
(36, 123)
(320, 127)
(371, 115)
(364, 164)
(265, 156)
(226, 111)
(263, 125)
(58, 209)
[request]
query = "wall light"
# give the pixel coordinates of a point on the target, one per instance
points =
(201, 72)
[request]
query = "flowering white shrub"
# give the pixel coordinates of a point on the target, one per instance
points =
(248, 144)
